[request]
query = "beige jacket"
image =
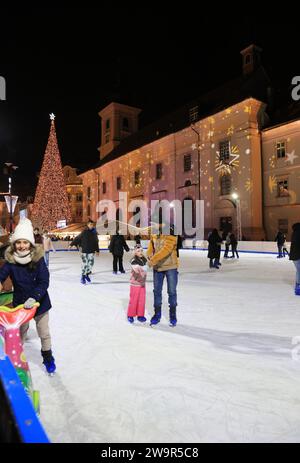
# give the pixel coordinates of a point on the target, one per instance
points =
(162, 251)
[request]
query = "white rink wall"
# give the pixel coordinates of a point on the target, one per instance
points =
(246, 246)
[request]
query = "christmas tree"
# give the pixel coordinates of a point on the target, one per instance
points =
(51, 199)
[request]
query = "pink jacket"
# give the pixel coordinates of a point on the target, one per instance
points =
(139, 271)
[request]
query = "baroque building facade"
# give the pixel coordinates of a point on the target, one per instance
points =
(209, 149)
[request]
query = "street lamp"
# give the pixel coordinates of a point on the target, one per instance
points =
(237, 205)
(8, 170)
(198, 149)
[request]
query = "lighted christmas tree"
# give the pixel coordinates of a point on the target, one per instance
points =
(51, 199)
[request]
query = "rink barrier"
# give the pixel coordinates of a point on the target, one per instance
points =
(18, 420)
(251, 247)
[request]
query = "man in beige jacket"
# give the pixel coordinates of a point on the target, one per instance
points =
(162, 256)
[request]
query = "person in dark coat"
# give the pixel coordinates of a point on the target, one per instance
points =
(88, 242)
(137, 239)
(116, 247)
(280, 240)
(214, 248)
(38, 239)
(26, 267)
(295, 254)
(234, 244)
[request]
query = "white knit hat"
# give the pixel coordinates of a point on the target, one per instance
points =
(23, 231)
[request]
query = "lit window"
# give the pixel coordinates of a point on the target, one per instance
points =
(225, 185)
(224, 150)
(187, 162)
(158, 171)
(280, 149)
(282, 188)
(137, 177)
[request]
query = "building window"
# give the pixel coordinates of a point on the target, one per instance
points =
(137, 179)
(89, 210)
(282, 188)
(107, 138)
(119, 216)
(119, 183)
(187, 162)
(107, 125)
(89, 192)
(137, 211)
(224, 150)
(187, 183)
(193, 114)
(78, 197)
(280, 149)
(283, 226)
(125, 124)
(158, 171)
(104, 188)
(225, 185)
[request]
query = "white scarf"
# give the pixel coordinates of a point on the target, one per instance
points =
(22, 257)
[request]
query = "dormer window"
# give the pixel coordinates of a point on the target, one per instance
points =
(125, 124)
(248, 59)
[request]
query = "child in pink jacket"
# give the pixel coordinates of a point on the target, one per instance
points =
(137, 297)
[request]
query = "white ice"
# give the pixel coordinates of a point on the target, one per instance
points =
(227, 373)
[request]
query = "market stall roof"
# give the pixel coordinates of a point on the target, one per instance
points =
(69, 229)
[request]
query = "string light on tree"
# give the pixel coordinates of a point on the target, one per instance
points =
(51, 200)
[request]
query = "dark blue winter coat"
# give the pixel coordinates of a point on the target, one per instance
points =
(295, 242)
(30, 280)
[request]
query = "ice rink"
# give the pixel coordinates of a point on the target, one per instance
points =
(228, 372)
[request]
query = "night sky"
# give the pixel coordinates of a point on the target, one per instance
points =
(74, 61)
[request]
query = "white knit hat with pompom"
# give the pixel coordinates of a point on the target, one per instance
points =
(23, 231)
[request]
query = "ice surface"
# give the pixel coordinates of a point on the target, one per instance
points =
(226, 373)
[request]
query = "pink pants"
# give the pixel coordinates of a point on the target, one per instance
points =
(137, 298)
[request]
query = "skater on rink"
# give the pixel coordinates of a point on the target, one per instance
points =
(48, 246)
(234, 244)
(280, 240)
(295, 254)
(26, 267)
(116, 247)
(89, 244)
(137, 298)
(214, 248)
(162, 256)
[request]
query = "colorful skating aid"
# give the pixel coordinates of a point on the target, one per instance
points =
(11, 319)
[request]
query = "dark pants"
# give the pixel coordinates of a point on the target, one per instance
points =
(227, 246)
(118, 259)
(172, 279)
(214, 262)
(234, 250)
(280, 246)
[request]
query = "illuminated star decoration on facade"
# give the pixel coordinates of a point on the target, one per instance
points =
(249, 185)
(272, 183)
(290, 157)
(225, 166)
(52, 116)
